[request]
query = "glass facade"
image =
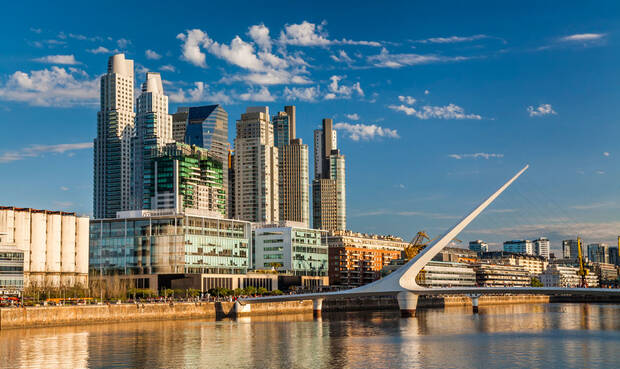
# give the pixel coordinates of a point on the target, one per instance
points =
(178, 243)
(11, 270)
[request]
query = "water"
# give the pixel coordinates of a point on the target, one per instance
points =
(512, 336)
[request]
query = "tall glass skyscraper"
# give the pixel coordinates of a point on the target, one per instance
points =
(112, 146)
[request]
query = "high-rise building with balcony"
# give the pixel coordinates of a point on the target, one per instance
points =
(329, 184)
(256, 168)
(542, 247)
(112, 146)
(153, 130)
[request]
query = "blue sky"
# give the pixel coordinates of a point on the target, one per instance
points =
(436, 104)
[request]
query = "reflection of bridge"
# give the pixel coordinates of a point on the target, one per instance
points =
(401, 282)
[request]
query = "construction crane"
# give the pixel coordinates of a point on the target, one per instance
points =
(418, 243)
(583, 272)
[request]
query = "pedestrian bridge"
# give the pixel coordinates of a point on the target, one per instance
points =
(401, 283)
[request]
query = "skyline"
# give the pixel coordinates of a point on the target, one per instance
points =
(455, 103)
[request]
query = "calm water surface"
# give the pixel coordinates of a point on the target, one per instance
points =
(525, 336)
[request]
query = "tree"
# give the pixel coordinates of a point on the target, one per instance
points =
(535, 282)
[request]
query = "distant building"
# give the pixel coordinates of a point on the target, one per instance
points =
(570, 250)
(356, 259)
(598, 253)
(49, 247)
(557, 275)
(542, 247)
(438, 274)
(478, 246)
(11, 269)
(456, 255)
(519, 247)
(290, 249)
(605, 271)
(535, 265)
(494, 275)
(613, 256)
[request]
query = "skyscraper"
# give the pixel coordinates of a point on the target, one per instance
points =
(256, 168)
(207, 127)
(153, 130)
(292, 169)
(542, 247)
(179, 124)
(112, 146)
(329, 184)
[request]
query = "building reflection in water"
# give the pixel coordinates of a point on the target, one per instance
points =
(527, 335)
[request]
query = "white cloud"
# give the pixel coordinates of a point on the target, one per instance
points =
(199, 93)
(36, 30)
(342, 57)
(123, 43)
(58, 59)
(353, 116)
(304, 34)
(541, 110)
(386, 60)
(366, 132)
(262, 95)
(452, 39)
(167, 68)
(301, 93)
(426, 92)
(336, 90)
(239, 53)
(99, 50)
(34, 151)
(260, 34)
(64, 188)
(152, 55)
(606, 153)
(450, 111)
(477, 155)
(191, 46)
(599, 172)
(51, 87)
(580, 37)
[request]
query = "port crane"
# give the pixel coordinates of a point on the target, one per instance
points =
(582, 272)
(418, 243)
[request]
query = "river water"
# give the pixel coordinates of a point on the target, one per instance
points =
(510, 336)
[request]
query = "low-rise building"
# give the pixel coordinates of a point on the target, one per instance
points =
(558, 275)
(605, 271)
(456, 255)
(53, 246)
(478, 246)
(446, 274)
(535, 265)
(356, 259)
(11, 270)
(494, 275)
(290, 249)
(519, 247)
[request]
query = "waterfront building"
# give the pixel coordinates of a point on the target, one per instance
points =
(495, 275)
(329, 185)
(164, 248)
(179, 124)
(519, 247)
(535, 265)
(598, 253)
(605, 272)
(112, 146)
(207, 127)
(11, 269)
(456, 255)
(437, 274)
(356, 259)
(478, 246)
(53, 246)
(557, 275)
(293, 192)
(256, 168)
(153, 130)
(542, 247)
(296, 250)
(181, 176)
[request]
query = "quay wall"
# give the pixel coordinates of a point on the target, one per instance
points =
(88, 314)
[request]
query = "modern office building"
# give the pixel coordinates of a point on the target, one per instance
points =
(329, 184)
(153, 130)
(542, 247)
(356, 259)
(557, 275)
(164, 248)
(534, 264)
(11, 269)
(519, 247)
(605, 272)
(570, 249)
(207, 127)
(181, 176)
(112, 146)
(598, 253)
(478, 246)
(53, 245)
(179, 124)
(290, 249)
(438, 274)
(495, 275)
(256, 168)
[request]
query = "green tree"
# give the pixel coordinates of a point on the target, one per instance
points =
(262, 291)
(535, 282)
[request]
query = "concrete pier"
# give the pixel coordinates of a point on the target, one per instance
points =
(407, 303)
(317, 307)
(474, 303)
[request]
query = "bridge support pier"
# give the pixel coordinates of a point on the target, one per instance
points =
(474, 302)
(317, 307)
(407, 303)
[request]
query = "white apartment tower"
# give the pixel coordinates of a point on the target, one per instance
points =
(152, 132)
(112, 146)
(319, 152)
(256, 168)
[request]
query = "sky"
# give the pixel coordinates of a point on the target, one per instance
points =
(436, 103)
